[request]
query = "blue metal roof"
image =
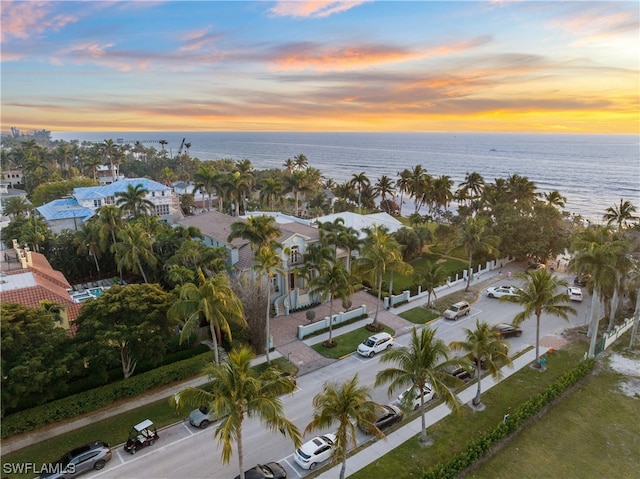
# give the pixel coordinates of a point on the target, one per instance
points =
(63, 209)
(97, 192)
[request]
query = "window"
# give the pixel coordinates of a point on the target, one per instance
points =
(109, 200)
(294, 256)
(162, 210)
(97, 203)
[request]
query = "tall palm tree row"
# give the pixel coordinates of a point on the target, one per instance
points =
(209, 299)
(239, 392)
(334, 281)
(488, 350)
(541, 292)
(380, 253)
(474, 236)
(621, 214)
(423, 363)
(348, 404)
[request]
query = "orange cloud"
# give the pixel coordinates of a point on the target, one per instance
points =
(308, 55)
(318, 8)
(26, 19)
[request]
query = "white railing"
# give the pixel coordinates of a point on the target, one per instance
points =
(342, 317)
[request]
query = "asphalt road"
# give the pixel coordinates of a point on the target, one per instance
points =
(185, 452)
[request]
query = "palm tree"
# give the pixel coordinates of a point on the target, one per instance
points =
(360, 181)
(87, 241)
(419, 181)
(403, 184)
(384, 187)
(348, 404)
(432, 276)
(474, 237)
(441, 193)
(260, 231)
(238, 186)
(488, 350)
(333, 281)
(110, 219)
(620, 215)
(270, 192)
(268, 262)
(15, 206)
(133, 200)
(471, 187)
(422, 363)
(380, 251)
(237, 392)
(296, 183)
(206, 178)
(134, 247)
(554, 198)
(539, 294)
(301, 162)
(210, 299)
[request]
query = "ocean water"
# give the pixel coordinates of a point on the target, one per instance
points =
(592, 171)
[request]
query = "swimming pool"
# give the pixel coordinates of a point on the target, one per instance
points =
(82, 296)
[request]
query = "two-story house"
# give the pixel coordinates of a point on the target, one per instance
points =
(70, 213)
(289, 289)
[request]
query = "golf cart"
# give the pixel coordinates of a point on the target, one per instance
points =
(141, 435)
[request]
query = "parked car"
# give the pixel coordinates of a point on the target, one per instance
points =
(81, 459)
(459, 371)
(375, 344)
(201, 417)
(427, 393)
(507, 330)
(386, 417)
(535, 266)
(315, 451)
(500, 291)
(270, 470)
(142, 435)
(456, 310)
(575, 294)
(581, 280)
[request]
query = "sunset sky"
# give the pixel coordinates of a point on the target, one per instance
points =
(525, 66)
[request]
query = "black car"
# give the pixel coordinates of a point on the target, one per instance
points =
(459, 371)
(507, 330)
(387, 416)
(81, 459)
(270, 470)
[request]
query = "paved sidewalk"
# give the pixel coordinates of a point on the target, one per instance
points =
(379, 448)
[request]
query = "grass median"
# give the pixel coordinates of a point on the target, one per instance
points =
(348, 342)
(451, 435)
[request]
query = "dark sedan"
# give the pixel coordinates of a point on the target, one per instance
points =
(387, 416)
(270, 470)
(507, 330)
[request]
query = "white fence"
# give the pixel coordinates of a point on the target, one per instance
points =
(617, 331)
(342, 317)
(405, 296)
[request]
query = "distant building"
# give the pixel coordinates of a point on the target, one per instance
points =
(12, 177)
(6, 192)
(361, 222)
(27, 278)
(70, 213)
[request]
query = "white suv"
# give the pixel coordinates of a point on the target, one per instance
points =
(375, 344)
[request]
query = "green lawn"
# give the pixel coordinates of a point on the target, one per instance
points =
(347, 343)
(419, 315)
(402, 282)
(451, 434)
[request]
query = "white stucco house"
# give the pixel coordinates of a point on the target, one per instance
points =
(70, 213)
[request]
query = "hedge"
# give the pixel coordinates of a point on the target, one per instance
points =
(88, 401)
(479, 447)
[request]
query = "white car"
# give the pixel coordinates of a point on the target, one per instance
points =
(318, 450)
(500, 291)
(375, 344)
(427, 392)
(575, 294)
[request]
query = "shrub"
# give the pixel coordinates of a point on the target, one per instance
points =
(88, 401)
(310, 314)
